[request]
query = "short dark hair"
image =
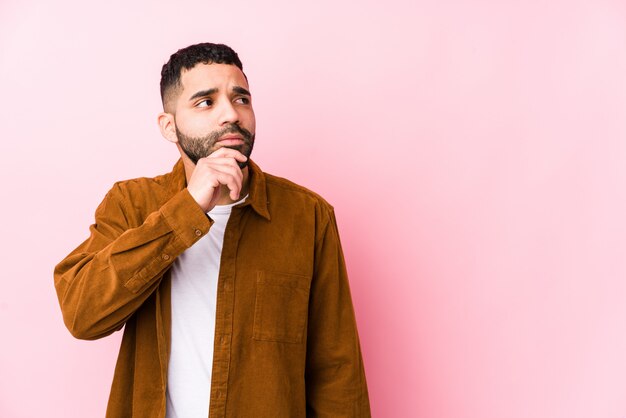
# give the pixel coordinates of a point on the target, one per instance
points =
(189, 57)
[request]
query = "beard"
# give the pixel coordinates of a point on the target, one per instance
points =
(203, 146)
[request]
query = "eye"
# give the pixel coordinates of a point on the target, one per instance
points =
(243, 100)
(205, 103)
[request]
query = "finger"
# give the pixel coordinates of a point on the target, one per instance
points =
(230, 168)
(233, 183)
(211, 162)
(206, 172)
(227, 152)
(230, 162)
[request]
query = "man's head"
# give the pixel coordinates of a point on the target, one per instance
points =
(206, 101)
(187, 58)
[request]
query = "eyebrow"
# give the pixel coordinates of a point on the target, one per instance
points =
(209, 92)
(241, 90)
(203, 93)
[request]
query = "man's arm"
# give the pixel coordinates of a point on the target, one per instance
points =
(106, 279)
(335, 375)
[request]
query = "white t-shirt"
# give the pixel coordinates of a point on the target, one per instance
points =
(194, 293)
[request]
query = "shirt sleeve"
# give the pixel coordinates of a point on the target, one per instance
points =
(106, 278)
(335, 375)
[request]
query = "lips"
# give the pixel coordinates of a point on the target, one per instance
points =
(231, 140)
(230, 137)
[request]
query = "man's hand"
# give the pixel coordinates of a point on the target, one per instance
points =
(219, 168)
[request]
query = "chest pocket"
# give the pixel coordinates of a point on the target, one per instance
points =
(281, 307)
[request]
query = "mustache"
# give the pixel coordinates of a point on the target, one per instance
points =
(235, 129)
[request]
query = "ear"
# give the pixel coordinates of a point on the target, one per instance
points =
(167, 126)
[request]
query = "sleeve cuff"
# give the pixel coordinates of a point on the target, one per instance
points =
(186, 218)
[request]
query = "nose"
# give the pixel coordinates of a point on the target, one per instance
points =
(228, 114)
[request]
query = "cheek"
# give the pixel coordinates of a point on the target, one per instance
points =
(251, 121)
(197, 125)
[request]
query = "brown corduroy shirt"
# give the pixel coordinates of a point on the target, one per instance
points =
(286, 342)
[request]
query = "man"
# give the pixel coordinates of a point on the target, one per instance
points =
(230, 283)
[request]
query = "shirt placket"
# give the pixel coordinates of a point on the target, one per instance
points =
(224, 317)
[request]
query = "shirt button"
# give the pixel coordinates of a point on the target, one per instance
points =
(198, 232)
(165, 257)
(222, 340)
(219, 393)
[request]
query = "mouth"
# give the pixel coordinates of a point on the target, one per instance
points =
(230, 140)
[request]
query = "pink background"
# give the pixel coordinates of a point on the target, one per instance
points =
(474, 151)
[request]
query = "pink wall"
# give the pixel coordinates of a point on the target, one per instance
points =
(475, 152)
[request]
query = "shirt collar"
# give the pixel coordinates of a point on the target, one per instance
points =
(257, 190)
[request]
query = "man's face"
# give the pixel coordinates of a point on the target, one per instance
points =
(214, 110)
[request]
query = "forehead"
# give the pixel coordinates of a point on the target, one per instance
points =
(207, 76)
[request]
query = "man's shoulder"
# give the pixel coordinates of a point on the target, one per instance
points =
(160, 180)
(285, 189)
(143, 187)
